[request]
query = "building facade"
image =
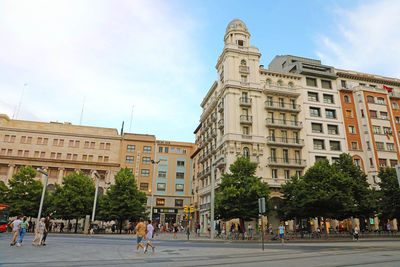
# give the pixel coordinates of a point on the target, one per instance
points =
(290, 115)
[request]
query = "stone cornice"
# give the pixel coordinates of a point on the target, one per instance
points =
(368, 77)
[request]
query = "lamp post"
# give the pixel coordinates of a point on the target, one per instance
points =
(95, 194)
(212, 227)
(152, 189)
(43, 192)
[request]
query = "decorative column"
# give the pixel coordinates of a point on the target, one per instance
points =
(60, 175)
(10, 171)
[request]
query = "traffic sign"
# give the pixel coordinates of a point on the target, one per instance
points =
(261, 205)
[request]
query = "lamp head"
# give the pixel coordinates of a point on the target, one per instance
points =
(42, 171)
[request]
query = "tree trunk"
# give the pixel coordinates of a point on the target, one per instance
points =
(76, 225)
(326, 229)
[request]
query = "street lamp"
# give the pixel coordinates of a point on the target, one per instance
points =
(95, 194)
(152, 189)
(212, 227)
(43, 192)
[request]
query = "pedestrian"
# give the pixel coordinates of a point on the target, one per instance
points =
(250, 232)
(24, 225)
(140, 233)
(356, 233)
(282, 230)
(149, 236)
(39, 233)
(198, 229)
(62, 227)
(47, 227)
(175, 230)
(15, 229)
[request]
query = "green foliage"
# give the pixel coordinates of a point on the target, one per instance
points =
(3, 192)
(25, 192)
(389, 194)
(123, 200)
(75, 198)
(238, 193)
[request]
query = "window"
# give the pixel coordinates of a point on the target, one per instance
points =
(362, 113)
(362, 84)
(333, 129)
(180, 163)
(279, 83)
(146, 160)
(166, 149)
(42, 154)
(315, 112)
(380, 100)
(244, 78)
(160, 149)
(274, 173)
(357, 162)
(311, 82)
(287, 174)
(77, 143)
(92, 145)
(245, 130)
(160, 201)
(349, 113)
(75, 157)
(393, 163)
(39, 140)
(384, 115)
(380, 146)
(368, 145)
(240, 42)
(317, 158)
(313, 97)
(178, 202)
(319, 144)
(183, 151)
(298, 173)
(100, 158)
(162, 174)
(179, 187)
(145, 172)
(144, 186)
(343, 84)
(178, 150)
(354, 145)
(20, 152)
(84, 157)
(26, 153)
(382, 162)
(243, 62)
(373, 114)
(86, 145)
(387, 130)
(335, 159)
(59, 156)
(102, 146)
(330, 113)
(334, 145)
(352, 129)
(346, 99)
(316, 127)
(390, 147)
(108, 146)
(376, 130)
(371, 162)
(326, 84)
(397, 118)
(395, 105)
(328, 99)
(180, 175)
(370, 99)
(246, 152)
(147, 149)
(172, 150)
(129, 159)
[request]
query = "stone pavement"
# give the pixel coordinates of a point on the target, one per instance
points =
(113, 250)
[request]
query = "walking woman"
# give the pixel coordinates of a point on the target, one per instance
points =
(24, 225)
(175, 230)
(38, 233)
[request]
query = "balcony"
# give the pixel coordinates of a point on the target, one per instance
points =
(207, 171)
(221, 123)
(245, 101)
(213, 116)
(271, 89)
(246, 119)
(289, 124)
(283, 141)
(286, 162)
(213, 132)
(271, 105)
(220, 161)
(213, 149)
(220, 106)
(244, 69)
(206, 206)
(394, 95)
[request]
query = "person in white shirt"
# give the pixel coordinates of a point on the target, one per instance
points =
(15, 229)
(149, 236)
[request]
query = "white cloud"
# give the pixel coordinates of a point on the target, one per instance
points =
(113, 53)
(366, 38)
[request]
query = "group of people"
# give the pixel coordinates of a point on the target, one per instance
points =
(144, 232)
(20, 227)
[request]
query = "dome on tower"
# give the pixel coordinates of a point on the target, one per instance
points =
(237, 25)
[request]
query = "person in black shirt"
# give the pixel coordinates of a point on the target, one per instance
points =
(47, 225)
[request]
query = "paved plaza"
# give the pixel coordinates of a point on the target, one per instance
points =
(119, 250)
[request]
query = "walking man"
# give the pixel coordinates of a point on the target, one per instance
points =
(282, 232)
(149, 236)
(24, 225)
(47, 225)
(140, 233)
(15, 229)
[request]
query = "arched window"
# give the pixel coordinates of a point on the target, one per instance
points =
(279, 83)
(243, 62)
(268, 82)
(380, 100)
(290, 85)
(346, 99)
(246, 152)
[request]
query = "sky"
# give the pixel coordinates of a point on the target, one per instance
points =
(150, 63)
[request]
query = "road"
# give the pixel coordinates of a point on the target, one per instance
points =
(79, 250)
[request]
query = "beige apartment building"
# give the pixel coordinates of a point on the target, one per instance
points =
(288, 116)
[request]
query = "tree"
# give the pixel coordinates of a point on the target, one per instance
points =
(389, 193)
(294, 199)
(25, 192)
(239, 191)
(123, 200)
(364, 203)
(75, 198)
(3, 192)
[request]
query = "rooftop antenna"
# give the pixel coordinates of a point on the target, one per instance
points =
(83, 106)
(130, 125)
(18, 107)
